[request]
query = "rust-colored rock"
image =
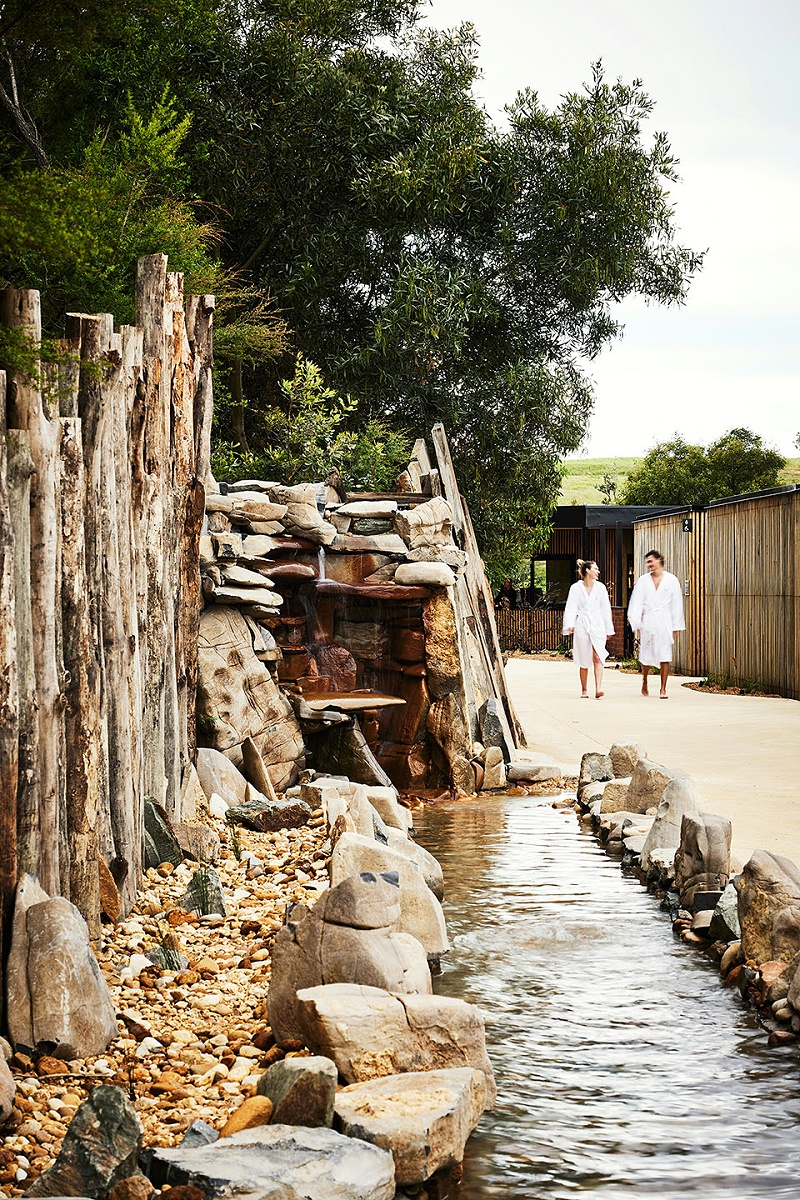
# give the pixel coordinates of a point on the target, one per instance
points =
(254, 1111)
(110, 902)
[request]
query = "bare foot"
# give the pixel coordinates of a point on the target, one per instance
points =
(598, 695)
(584, 695)
(663, 696)
(645, 692)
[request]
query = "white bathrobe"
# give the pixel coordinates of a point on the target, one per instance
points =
(589, 614)
(655, 612)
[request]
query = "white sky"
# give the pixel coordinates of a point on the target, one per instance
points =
(725, 78)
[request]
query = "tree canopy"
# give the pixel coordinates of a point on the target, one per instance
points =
(327, 160)
(678, 472)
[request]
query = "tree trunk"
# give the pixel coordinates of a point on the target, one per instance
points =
(9, 711)
(200, 329)
(237, 407)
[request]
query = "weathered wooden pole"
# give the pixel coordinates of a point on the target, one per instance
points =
(9, 709)
(81, 686)
(20, 309)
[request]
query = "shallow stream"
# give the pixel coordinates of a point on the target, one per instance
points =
(623, 1068)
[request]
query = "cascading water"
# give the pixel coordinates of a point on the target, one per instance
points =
(624, 1069)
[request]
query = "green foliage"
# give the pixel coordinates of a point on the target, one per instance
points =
(609, 489)
(76, 232)
(680, 473)
(313, 432)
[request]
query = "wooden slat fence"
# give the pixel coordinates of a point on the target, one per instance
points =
(530, 629)
(742, 563)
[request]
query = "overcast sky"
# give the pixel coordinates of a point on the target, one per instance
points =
(725, 78)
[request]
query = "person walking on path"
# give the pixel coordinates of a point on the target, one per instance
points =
(587, 616)
(655, 612)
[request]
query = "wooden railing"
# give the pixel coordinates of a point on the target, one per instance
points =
(529, 629)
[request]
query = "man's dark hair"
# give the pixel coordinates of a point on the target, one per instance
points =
(655, 554)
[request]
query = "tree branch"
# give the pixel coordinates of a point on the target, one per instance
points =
(25, 126)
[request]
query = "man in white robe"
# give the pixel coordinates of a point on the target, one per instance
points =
(655, 612)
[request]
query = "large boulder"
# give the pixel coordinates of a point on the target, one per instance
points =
(768, 885)
(624, 757)
(647, 785)
(424, 1117)
(302, 1091)
(680, 796)
(349, 936)
(101, 1148)
(702, 860)
(57, 995)
(279, 1162)
(420, 912)
(613, 795)
(237, 698)
(428, 865)
(441, 645)
(370, 1033)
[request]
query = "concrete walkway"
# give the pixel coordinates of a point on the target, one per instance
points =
(743, 751)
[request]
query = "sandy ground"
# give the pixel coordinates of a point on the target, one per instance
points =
(743, 751)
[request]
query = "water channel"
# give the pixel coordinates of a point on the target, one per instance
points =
(623, 1068)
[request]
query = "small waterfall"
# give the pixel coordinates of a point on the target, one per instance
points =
(321, 562)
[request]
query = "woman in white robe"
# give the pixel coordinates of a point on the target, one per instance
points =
(655, 612)
(587, 616)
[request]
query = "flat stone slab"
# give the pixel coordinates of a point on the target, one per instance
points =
(424, 1117)
(279, 1162)
(372, 591)
(350, 701)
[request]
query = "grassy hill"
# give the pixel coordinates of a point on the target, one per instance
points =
(584, 475)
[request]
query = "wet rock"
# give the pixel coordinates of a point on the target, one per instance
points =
(218, 776)
(702, 861)
(252, 1112)
(465, 774)
(595, 768)
(344, 748)
(349, 936)
(302, 1091)
(424, 1117)
(204, 894)
(527, 766)
(441, 645)
(277, 1162)
(57, 994)
(724, 925)
(494, 771)
(160, 842)
(647, 785)
(768, 884)
(420, 912)
(785, 937)
(101, 1148)
(370, 1033)
(238, 698)
(624, 757)
(367, 641)
(681, 795)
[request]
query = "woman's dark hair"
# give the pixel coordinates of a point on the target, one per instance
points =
(655, 554)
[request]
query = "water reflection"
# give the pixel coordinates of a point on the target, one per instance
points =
(623, 1067)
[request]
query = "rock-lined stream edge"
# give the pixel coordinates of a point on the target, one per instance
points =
(744, 918)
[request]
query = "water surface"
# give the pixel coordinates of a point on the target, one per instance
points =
(624, 1069)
